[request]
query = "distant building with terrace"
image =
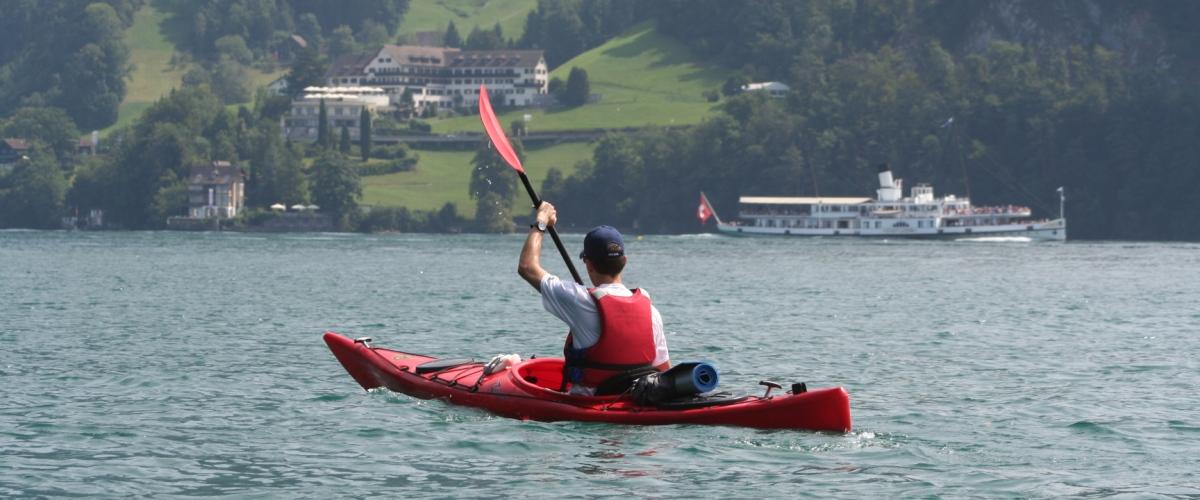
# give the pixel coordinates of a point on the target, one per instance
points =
(444, 77)
(343, 108)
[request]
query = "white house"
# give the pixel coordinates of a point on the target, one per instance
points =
(216, 190)
(278, 86)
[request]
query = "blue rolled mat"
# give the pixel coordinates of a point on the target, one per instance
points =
(693, 377)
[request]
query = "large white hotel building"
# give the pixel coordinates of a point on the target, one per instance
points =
(446, 77)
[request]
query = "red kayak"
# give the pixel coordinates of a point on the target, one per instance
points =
(529, 391)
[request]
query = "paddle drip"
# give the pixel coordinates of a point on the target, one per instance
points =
(491, 125)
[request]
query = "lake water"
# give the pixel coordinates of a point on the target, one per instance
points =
(180, 364)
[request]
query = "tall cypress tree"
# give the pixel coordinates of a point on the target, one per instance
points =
(577, 87)
(344, 143)
(323, 138)
(452, 38)
(307, 69)
(364, 133)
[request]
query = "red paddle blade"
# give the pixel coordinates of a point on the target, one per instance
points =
(495, 132)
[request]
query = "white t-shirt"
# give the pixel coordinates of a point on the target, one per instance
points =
(573, 304)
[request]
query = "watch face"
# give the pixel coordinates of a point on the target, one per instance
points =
(541, 226)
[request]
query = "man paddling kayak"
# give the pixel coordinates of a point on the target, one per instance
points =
(616, 334)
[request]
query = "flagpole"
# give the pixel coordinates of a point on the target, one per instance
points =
(1062, 204)
(704, 202)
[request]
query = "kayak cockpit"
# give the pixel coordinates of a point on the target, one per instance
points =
(543, 377)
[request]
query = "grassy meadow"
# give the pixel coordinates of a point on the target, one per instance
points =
(644, 78)
(444, 176)
(435, 15)
(153, 74)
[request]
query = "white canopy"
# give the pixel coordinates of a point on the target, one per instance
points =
(298, 207)
(780, 200)
(278, 206)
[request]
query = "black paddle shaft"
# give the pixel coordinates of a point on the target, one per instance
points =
(537, 202)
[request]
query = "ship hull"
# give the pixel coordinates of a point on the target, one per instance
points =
(1054, 230)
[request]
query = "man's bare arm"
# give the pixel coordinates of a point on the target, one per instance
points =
(530, 267)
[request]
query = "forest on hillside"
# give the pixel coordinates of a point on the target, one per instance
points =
(68, 55)
(1001, 100)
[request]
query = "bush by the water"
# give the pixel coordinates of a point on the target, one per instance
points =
(401, 219)
(255, 216)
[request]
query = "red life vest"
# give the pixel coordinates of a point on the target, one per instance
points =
(626, 340)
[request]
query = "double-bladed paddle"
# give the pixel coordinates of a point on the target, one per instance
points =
(496, 133)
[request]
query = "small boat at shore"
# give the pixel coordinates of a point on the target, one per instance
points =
(921, 215)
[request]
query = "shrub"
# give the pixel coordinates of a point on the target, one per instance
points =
(420, 127)
(396, 152)
(387, 167)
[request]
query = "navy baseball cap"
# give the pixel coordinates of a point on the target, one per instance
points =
(602, 242)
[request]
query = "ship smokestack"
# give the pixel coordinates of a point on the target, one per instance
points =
(889, 188)
(885, 176)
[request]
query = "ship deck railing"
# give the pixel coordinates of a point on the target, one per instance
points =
(1012, 210)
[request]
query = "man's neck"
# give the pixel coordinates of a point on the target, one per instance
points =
(602, 279)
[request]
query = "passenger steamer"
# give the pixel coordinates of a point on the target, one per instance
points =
(889, 215)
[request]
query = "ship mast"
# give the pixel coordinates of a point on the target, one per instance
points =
(1062, 204)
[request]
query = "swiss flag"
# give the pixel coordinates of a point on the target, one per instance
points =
(704, 211)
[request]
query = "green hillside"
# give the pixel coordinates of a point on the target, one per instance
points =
(644, 78)
(435, 15)
(153, 74)
(443, 176)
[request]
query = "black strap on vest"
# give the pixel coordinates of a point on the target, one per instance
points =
(625, 376)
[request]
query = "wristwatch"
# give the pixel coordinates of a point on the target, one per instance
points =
(540, 226)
